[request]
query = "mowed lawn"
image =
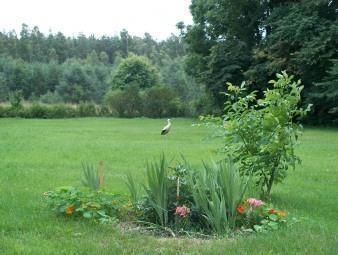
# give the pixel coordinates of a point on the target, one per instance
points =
(39, 155)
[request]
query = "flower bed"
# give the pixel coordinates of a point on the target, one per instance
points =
(176, 200)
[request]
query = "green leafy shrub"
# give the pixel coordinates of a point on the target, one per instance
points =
(205, 105)
(104, 111)
(135, 71)
(127, 102)
(4, 111)
(87, 109)
(72, 202)
(37, 110)
(114, 100)
(59, 111)
(51, 98)
(260, 134)
(162, 101)
(15, 98)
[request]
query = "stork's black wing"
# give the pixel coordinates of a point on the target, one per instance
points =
(164, 131)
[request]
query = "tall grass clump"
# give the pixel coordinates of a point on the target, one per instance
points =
(217, 190)
(157, 189)
(134, 189)
(92, 178)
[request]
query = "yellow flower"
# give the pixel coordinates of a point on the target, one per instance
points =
(69, 210)
(282, 214)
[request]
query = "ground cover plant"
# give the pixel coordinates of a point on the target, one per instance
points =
(39, 155)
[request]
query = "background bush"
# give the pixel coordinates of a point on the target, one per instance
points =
(126, 103)
(87, 109)
(162, 101)
(62, 111)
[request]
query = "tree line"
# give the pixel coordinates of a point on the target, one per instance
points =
(229, 41)
(54, 68)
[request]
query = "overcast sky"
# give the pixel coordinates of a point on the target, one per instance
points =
(98, 17)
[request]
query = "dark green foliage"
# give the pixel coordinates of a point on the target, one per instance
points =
(104, 111)
(115, 101)
(127, 102)
(220, 41)
(80, 82)
(326, 93)
(15, 75)
(252, 40)
(205, 105)
(226, 62)
(4, 111)
(87, 109)
(15, 98)
(173, 75)
(51, 98)
(4, 90)
(37, 111)
(162, 101)
(60, 111)
(57, 111)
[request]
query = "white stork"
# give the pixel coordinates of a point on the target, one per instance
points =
(166, 129)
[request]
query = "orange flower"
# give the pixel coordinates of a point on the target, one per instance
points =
(240, 209)
(70, 210)
(272, 211)
(282, 214)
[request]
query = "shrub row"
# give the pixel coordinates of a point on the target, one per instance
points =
(88, 109)
(41, 111)
(155, 102)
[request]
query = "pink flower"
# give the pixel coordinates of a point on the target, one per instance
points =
(182, 211)
(255, 202)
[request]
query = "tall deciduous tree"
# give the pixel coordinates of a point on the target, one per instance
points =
(251, 40)
(326, 94)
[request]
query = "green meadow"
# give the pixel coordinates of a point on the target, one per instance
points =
(39, 155)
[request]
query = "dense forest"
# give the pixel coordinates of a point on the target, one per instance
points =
(229, 41)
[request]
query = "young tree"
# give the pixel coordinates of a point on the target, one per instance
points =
(260, 134)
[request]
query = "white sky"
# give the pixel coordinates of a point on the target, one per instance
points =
(98, 17)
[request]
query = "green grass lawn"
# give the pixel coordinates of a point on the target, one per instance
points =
(39, 155)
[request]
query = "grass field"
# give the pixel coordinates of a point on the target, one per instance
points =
(38, 155)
